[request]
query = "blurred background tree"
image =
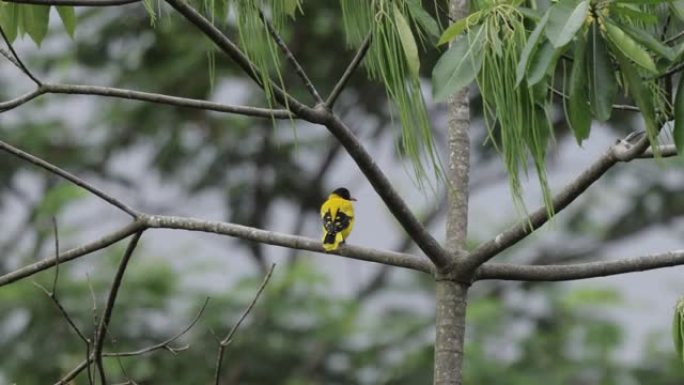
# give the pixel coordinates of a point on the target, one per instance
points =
(312, 325)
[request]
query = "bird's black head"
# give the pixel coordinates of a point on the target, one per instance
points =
(343, 193)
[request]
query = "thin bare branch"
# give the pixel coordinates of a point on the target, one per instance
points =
(286, 240)
(623, 107)
(76, 3)
(508, 271)
(291, 59)
(166, 344)
(19, 100)
(74, 253)
(234, 52)
(665, 150)
(621, 151)
(351, 68)
(229, 337)
(175, 101)
(102, 329)
(68, 176)
(18, 61)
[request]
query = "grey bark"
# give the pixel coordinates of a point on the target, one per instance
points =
(451, 290)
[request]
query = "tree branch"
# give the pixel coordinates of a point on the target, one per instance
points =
(68, 176)
(74, 253)
(18, 62)
(234, 52)
(102, 329)
(292, 60)
(384, 188)
(507, 271)
(161, 345)
(356, 61)
(18, 101)
(285, 240)
(621, 151)
(166, 99)
(229, 337)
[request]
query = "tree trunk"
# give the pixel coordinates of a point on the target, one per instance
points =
(450, 294)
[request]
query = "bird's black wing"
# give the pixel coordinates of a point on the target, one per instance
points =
(328, 224)
(342, 221)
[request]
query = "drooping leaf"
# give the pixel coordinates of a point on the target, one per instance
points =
(408, 42)
(677, 329)
(290, 7)
(677, 8)
(10, 18)
(424, 19)
(601, 76)
(648, 41)
(633, 12)
(565, 19)
(543, 60)
(678, 132)
(531, 44)
(577, 107)
(457, 28)
(35, 19)
(640, 93)
(68, 16)
(458, 66)
(630, 48)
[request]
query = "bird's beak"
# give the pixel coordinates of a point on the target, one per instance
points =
(352, 199)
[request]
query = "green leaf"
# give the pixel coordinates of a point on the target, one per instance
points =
(455, 30)
(677, 8)
(458, 66)
(649, 41)
(601, 74)
(630, 48)
(678, 132)
(565, 18)
(677, 326)
(529, 13)
(577, 107)
(68, 16)
(35, 19)
(408, 42)
(530, 45)
(290, 7)
(10, 17)
(543, 61)
(424, 19)
(639, 92)
(633, 12)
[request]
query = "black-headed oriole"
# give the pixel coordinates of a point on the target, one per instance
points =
(337, 214)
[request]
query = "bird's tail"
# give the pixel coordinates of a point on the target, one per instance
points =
(331, 241)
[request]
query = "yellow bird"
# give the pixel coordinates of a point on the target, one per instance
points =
(337, 214)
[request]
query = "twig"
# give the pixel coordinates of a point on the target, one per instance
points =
(351, 68)
(234, 52)
(229, 337)
(616, 153)
(68, 176)
(291, 59)
(74, 253)
(623, 107)
(22, 67)
(164, 344)
(161, 345)
(507, 271)
(671, 71)
(665, 151)
(109, 307)
(19, 100)
(175, 101)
